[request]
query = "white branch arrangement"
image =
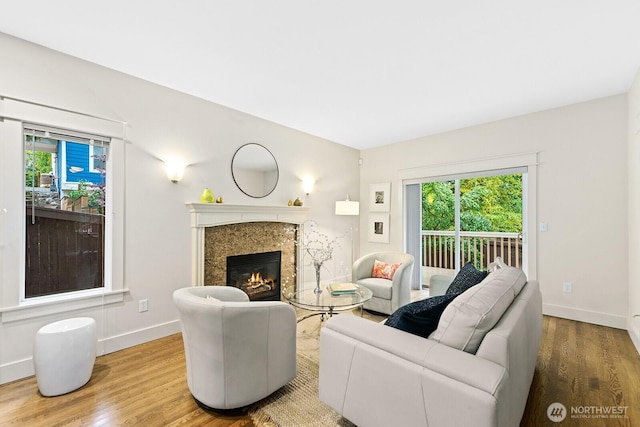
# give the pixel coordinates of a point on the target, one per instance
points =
(316, 244)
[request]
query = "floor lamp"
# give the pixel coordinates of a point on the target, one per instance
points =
(348, 207)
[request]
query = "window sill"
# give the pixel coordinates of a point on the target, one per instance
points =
(46, 307)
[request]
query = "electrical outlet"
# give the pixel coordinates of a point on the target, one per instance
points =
(567, 287)
(143, 305)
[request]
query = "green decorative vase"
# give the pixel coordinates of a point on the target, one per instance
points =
(207, 196)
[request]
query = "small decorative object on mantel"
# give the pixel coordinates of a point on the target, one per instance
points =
(219, 199)
(290, 203)
(297, 202)
(207, 196)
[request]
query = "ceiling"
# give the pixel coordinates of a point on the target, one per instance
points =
(362, 73)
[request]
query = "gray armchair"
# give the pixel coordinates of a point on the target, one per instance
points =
(237, 352)
(388, 295)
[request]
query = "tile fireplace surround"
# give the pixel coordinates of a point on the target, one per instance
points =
(221, 230)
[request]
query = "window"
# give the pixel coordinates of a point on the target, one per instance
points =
(413, 178)
(22, 186)
(65, 202)
(473, 219)
(97, 156)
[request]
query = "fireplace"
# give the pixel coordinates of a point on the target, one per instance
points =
(220, 230)
(258, 275)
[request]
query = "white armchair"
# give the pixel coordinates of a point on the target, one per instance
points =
(237, 352)
(388, 295)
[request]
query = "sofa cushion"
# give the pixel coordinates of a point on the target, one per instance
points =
(380, 288)
(420, 317)
(467, 277)
(467, 319)
(384, 270)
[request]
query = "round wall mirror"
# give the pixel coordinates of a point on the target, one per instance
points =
(254, 170)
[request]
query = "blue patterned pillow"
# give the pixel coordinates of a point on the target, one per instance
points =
(467, 277)
(420, 317)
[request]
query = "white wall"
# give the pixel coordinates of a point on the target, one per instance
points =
(581, 182)
(634, 211)
(581, 195)
(162, 123)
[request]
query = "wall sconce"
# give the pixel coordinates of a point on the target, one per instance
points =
(175, 170)
(347, 207)
(307, 184)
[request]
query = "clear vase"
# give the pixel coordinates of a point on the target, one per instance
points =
(317, 290)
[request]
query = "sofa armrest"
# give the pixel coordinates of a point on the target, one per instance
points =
(375, 375)
(362, 268)
(458, 365)
(401, 284)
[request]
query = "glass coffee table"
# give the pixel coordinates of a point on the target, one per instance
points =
(326, 304)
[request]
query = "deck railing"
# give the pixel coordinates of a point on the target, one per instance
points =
(480, 248)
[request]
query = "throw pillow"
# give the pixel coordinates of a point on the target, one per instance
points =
(470, 316)
(420, 317)
(384, 270)
(467, 277)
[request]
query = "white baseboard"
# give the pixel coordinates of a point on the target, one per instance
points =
(19, 369)
(634, 333)
(595, 317)
(16, 370)
(141, 336)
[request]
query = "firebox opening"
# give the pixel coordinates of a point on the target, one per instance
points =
(258, 275)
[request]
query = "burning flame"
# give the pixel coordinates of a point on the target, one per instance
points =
(257, 281)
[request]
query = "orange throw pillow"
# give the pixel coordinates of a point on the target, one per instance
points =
(383, 270)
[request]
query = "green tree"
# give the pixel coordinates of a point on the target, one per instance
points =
(438, 202)
(36, 162)
(486, 204)
(497, 199)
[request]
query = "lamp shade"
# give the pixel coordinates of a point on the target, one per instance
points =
(307, 184)
(175, 170)
(347, 207)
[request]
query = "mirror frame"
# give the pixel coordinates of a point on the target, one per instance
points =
(268, 155)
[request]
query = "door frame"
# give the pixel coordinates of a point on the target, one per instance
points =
(529, 161)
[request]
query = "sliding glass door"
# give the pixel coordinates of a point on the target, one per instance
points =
(472, 218)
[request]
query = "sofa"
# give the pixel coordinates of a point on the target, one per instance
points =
(391, 292)
(475, 369)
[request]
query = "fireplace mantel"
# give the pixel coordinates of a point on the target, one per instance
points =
(214, 214)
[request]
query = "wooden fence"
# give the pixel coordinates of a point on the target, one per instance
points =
(480, 248)
(64, 252)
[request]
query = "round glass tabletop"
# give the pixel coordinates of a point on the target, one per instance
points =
(326, 301)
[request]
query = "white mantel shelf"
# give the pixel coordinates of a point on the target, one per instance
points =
(214, 214)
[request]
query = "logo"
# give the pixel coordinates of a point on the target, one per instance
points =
(556, 412)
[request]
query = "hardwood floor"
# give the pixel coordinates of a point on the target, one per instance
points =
(140, 386)
(580, 365)
(590, 369)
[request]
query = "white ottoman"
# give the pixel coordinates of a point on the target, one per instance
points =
(438, 284)
(63, 355)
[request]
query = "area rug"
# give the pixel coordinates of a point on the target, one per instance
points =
(297, 404)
